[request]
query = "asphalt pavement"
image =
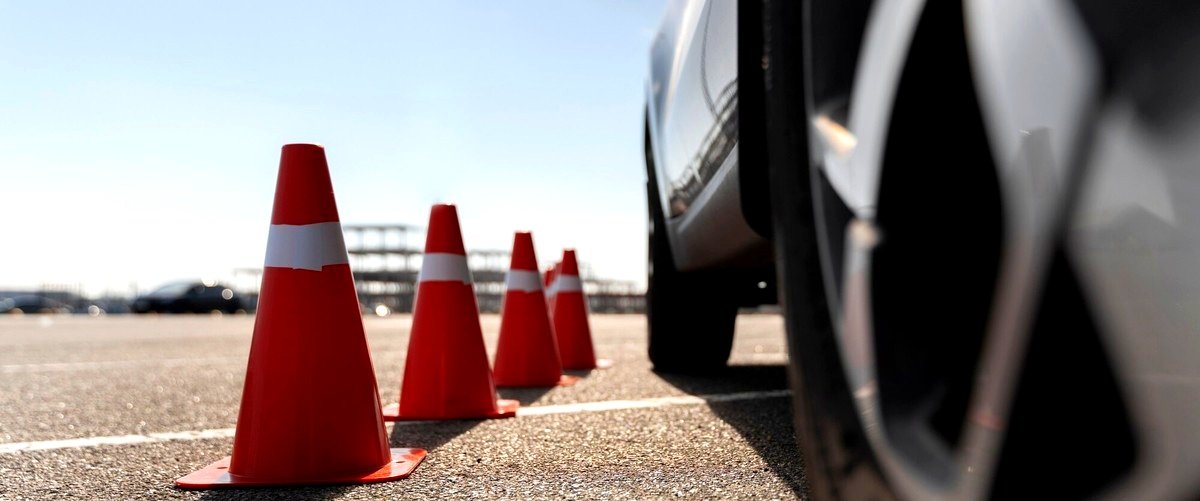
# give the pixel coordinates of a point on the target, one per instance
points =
(118, 407)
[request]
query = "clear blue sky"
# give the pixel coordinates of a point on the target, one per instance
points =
(139, 141)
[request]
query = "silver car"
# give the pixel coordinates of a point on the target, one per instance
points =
(981, 220)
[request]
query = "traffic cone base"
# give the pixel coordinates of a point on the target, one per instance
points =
(505, 408)
(216, 475)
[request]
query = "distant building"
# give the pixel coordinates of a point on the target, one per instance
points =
(386, 259)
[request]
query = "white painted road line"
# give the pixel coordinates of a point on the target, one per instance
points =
(110, 364)
(544, 410)
(83, 443)
(647, 403)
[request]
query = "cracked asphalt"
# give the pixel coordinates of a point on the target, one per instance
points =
(70, 377)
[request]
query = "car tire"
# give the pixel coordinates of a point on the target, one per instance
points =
(838, 461)
(691, 315)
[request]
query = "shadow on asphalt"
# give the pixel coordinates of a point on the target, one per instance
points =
(526, 396)
(304, 492)
(579, 373)
(429, 435)
(765, 424)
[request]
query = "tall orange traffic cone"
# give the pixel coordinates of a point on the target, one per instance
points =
(446, 374)
(527, 354)
(571, 318)
(310, 407)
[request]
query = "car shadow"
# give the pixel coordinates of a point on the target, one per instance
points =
(765, 424)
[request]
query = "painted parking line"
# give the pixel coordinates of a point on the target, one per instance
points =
(88, 442)
(543, 410)
(113, 364)
(647, 403)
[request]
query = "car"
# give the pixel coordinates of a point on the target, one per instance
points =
(32, 303)
(978, 219)
(190, 297)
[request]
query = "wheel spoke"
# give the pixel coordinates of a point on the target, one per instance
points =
(1034, 119)
(852, 155)
(857, 351)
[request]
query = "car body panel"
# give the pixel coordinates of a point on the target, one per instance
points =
(692, 127)
(716, 207)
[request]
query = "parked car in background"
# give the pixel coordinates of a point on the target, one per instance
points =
(31, 303)
(190, 297)
(981, 219)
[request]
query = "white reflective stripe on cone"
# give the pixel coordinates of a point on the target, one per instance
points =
(305, 246)
(441, 267)
(523, 280)
(567, 283)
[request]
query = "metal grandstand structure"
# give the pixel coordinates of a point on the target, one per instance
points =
(386, 259)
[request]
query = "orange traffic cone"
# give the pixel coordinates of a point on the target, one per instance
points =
(310, 408)
(571, 318)
(446, 374)
(527, 354)
(548, 281)
(548, 276)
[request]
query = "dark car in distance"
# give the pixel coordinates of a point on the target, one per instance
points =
(190, 297)
(30, 303)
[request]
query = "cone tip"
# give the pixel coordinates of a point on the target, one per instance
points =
(443, 234)
(303, 191)
(569, 266)
(302, 146)
(523, 255)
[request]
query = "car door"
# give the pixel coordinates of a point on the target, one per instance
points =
(191, 301)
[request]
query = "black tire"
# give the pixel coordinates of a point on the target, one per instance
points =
(691, 315)
(837, 457)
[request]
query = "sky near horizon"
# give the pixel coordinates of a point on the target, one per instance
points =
(139, 141)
